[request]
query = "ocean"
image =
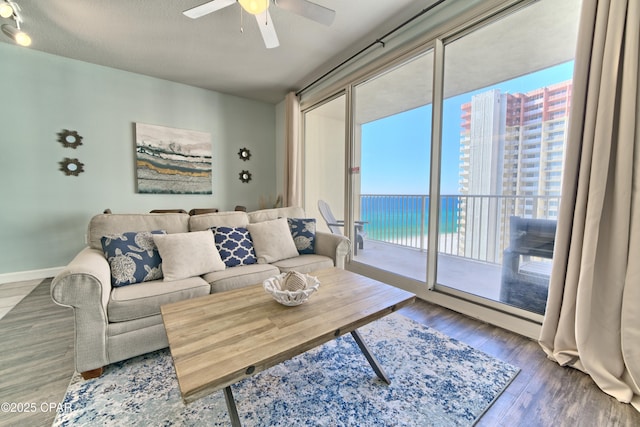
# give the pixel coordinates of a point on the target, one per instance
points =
(404, 218)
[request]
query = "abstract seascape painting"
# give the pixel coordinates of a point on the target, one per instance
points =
(173, 161)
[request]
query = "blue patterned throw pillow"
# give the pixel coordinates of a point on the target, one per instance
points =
(234, 245)
(303, 231)
(133, 257)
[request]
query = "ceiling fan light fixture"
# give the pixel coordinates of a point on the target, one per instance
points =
(20, 37)
(254, 7)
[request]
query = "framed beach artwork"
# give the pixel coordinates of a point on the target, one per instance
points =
(172, 161)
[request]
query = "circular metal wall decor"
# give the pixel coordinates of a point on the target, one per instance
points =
(69, 138)
(244, 154)
(245, 176)
(71, 167)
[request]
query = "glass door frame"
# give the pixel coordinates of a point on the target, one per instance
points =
(347, 147)
(509, 317)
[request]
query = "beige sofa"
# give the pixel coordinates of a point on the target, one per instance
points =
(116, 323)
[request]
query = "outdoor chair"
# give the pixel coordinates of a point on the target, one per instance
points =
(527, 288)
(335, 225)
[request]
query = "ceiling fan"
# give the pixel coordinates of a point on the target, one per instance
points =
(260, 8)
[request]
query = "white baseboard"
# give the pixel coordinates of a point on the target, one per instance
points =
(21, 276)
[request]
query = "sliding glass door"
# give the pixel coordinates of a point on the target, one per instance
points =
(504, 128)
(451, 156)
(324, 161)
(392, 140)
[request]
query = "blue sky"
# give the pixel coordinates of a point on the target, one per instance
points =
(396, 149)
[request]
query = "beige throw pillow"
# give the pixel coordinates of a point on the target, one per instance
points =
(272, 241)
(188, 254)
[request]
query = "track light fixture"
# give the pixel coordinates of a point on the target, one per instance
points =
(19, 36)
(6, 9)
(9, 9)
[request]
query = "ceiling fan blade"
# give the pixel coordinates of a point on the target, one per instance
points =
(206, 8)
(309, 10)
(267, 30)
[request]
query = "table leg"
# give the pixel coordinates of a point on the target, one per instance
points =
(231, 407)
(370, 357)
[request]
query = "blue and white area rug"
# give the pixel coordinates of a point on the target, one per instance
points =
(435, 381)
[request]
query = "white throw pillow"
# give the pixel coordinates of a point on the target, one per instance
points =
(188, 254)
(272, 241)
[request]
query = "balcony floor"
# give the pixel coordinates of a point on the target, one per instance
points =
(466, 275)
(475, 277)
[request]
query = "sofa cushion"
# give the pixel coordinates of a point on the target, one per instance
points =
(304, 263)
(303, 231)
(105, 224)
(188, 254)
(275, 213)
(240, 276)
(272, 240)
(142, 300)
(218, 219)
(133, 257)
(234, 245)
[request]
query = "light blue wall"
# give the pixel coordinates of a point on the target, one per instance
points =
(43, 213)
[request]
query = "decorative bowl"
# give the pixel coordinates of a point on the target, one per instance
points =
(275, 286)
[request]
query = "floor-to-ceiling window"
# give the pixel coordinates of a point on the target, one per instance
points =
(507, 92)
(324, 159)
(455, 158)
(392, 136)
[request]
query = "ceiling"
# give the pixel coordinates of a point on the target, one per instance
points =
(513, 46)
(154, 38)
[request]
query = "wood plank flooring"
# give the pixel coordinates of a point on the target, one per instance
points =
(36, 364)
(36, 357)
(12, 293)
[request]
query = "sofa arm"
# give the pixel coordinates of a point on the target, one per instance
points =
(85, 286)
(334, 246)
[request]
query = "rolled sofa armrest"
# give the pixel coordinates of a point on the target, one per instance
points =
(85, 286)
(335, 246)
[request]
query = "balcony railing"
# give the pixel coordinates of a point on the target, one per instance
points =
(470, 226)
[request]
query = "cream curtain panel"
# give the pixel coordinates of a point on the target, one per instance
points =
(592, 321)
(293, 157)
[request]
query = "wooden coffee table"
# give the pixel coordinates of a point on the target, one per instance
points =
(220, 339)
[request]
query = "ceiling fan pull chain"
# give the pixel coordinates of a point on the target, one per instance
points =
(241, 21)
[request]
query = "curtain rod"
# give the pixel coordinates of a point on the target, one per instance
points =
(376, 42)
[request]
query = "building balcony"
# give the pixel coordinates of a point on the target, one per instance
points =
(403, 220)
(481, 279)
(478, 278)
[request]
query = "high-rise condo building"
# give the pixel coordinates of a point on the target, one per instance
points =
(511, 156)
